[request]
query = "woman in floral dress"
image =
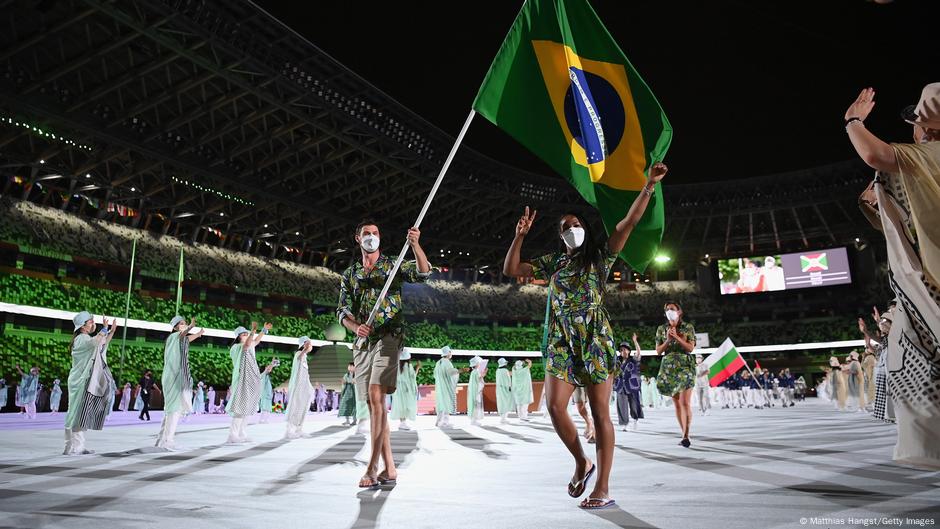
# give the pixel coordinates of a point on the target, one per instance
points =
(581, 351)
(676, 378)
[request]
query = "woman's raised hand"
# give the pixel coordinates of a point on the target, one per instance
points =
(657, 171)
(525, 223)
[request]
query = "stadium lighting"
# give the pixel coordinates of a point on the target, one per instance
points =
(662, 258)
(87, 175)
(857, 239)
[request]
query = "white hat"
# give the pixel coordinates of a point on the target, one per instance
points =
(405, 355)
(445, 351)
(240, 330)
(501, 362)
(475, 361)
(518, 363)
(927, 112)
(175, 321)
(81, 318)
(302, 341)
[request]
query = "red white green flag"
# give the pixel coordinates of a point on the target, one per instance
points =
(723, 363)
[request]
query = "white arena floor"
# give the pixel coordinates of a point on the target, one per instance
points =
(805, 466)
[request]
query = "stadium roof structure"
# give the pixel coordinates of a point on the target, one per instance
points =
(213, 121)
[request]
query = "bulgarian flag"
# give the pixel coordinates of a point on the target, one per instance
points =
(723, 363)
(562, 87)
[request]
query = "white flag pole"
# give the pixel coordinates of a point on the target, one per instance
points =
(751, 372)
(427, 203)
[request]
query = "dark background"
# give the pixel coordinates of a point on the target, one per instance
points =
(751, 88)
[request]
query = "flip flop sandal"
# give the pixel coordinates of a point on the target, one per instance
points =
(577, 488)
(592, 504)
(373, 482)
(386, 480)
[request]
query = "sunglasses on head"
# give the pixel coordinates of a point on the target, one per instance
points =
(909, 113)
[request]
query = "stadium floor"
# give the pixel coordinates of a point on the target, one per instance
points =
(747, 468)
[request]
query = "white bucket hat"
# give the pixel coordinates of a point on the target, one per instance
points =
(501, 362)
(175, 321)
(81, 318)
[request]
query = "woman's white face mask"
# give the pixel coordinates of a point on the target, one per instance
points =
(369, 243)
(573, 237)
(672, 315)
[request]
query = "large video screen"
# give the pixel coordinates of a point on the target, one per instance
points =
(769, 273)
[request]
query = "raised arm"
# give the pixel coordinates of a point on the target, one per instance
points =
(874, 152)
(195, 336)
(512, 264)
(112, 330)
(414, 235)
(256, 339)
(618, 238)
(864, 329)
(639, 352)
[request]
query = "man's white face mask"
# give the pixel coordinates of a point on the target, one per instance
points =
(573, 237)
(369, 243)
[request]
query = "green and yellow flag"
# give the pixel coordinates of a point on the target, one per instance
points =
(562, 87)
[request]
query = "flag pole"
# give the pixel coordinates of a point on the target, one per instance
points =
(127, 306)
(751, 372)
(427, 203)
(179, 284)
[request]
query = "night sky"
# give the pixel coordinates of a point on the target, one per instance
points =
(751, 88)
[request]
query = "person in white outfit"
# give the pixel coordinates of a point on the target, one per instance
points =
(702, 385)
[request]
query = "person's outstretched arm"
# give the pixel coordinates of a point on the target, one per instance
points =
(874, 152)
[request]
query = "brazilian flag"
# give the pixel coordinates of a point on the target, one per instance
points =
(562, 87)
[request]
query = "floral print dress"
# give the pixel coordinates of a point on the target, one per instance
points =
(580, 343)
(677, 370)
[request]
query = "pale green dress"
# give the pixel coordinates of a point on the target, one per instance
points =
(177, 382)
(405, 398)
(504, 402)
(522, 386)
(474, 393)
(445, 386)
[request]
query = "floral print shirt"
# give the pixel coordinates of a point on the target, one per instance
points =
(572, 289)
(685, 330)
(359, 290)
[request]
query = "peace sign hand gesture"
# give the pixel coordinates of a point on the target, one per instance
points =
(525, 223)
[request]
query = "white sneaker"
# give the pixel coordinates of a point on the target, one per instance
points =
(623, 428)
(363, 427)
(404, 427)
(634, 425)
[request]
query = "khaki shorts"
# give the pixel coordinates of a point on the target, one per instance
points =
(579, 394)
(378, 364)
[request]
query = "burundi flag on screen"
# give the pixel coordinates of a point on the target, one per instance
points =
(814, 262)
(562, 87)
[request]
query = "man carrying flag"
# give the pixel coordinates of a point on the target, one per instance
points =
(377, 359)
